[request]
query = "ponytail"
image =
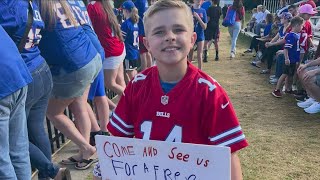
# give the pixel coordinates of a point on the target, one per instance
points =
(134, 15)
(111, 18)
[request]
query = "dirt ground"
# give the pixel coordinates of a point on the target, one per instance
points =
(284, 140)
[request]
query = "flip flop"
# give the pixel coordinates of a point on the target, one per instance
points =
(69, 161)
(87, 162)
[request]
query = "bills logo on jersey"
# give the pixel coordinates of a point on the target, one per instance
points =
(164, 100)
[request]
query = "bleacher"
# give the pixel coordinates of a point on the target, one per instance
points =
(314, 20)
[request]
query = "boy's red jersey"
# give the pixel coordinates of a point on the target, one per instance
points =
(197, 110)
(305, 33)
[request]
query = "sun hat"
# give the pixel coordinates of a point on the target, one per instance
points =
(307, 9)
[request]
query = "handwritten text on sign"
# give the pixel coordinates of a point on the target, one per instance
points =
(136, 159)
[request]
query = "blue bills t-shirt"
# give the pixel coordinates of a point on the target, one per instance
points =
(130, 32)
(197, 27)
(14, 18)
(66, 47)
(14, 72)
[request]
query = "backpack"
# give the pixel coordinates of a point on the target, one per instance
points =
(230, 18)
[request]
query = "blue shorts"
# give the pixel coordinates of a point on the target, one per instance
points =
(97, 87)
(200, 37)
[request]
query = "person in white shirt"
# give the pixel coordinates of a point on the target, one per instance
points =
(261, 24)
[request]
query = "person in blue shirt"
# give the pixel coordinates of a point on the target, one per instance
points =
(255, 43)
(200, 24)
(74, 62)
(206, 4)
(130, 32)
(97, 92)
(145, 56)
(13, 19)
(15, 76)
(292, 57)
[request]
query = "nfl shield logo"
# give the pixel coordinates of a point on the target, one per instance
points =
(164, 100)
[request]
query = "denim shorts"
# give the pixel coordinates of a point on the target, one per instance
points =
(71, 85)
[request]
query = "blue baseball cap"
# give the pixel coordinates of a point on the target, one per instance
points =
(128, 5)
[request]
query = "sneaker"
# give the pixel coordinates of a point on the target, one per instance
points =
(272, 77)
(288, 91)
(294, 87)
(217, 58)
(306, 104)
(232, 55)
(205, 56)
(265, 71)
(314, 108)
(273, 81)
(248, 51)
(301, 98)
(276, 93)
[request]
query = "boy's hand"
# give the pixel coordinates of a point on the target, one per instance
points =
(196, 15)
(268, 44)
(287, 61)
(301, 68)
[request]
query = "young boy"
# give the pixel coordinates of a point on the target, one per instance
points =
(175, 101)
(212, 32)
(292, 56)
(306, 11)
(200, 24)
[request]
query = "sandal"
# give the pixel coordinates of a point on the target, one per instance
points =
(87, 163)
(69, 161)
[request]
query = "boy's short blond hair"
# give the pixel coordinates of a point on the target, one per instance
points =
(165, 5)
(297, 20)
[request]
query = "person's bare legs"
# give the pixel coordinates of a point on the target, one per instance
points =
(120, 77)
(313, 89)
(200, 53)
(148, 59)
(55, 114)
(112, 105)
(280, 81)
(110, 76)
(94, 123)
(131, 74)
(82, 120)
(102, 108)
(190, 56)
(288, 83)
(143, 59)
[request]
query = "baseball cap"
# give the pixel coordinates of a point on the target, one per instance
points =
(307, 9)
(286, 15)
(128, 5)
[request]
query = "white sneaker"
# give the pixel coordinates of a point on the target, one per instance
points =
(232, 55)
(294, 88)
(273, 81)
(314, 108)
(272, 77)
(307, 103)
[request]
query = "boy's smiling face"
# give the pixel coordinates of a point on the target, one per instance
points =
(169, 36)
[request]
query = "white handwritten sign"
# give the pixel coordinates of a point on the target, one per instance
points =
(136, 159)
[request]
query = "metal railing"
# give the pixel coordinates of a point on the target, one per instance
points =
(274, 5)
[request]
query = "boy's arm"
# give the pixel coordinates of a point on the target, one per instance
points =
(236, 172)
(202, 24)
(286, 56)
(282, 41)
